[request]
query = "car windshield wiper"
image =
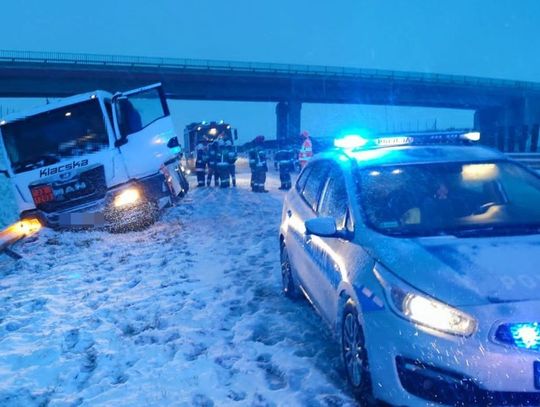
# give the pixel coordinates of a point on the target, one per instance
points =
(477, 231)
(409, 232)
(497, 230)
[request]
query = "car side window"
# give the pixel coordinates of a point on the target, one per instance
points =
(334, 202)
(301, 182)
(314, 183)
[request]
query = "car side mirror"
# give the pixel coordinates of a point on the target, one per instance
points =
(5, 173)
(173, 142)
(235, 134)
(325, 227)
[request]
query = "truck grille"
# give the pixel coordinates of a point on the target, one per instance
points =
(88, 186)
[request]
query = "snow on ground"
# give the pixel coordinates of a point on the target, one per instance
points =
(188, 312)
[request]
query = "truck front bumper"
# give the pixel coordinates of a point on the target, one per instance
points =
(108, 212)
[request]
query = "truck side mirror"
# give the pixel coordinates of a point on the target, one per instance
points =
(120, 142)
(173, 142)
(235, 134)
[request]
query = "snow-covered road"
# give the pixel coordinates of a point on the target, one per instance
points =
(188, 312)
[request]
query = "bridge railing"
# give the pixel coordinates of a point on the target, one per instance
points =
(256, 67)
(530, 159)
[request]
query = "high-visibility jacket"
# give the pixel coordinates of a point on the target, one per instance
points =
(306, 152)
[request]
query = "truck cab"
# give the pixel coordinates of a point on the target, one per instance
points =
(94, 159)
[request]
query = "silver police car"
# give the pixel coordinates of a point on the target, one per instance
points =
(422, 253)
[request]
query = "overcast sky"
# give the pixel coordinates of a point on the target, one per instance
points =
(491, 38)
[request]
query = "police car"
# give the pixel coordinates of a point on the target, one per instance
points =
(422, 254)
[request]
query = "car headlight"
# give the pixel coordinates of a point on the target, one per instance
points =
(127, 197)
(421, 309)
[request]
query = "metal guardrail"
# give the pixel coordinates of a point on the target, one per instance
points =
(530, 159)
(257, 67)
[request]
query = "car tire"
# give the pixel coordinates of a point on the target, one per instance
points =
(354, 353)
(289, 287)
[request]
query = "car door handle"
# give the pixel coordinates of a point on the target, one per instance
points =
(289, 213)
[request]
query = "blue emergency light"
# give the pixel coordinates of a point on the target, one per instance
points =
(350, 142)
(526, 335)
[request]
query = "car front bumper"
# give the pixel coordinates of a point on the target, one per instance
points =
(412, 366)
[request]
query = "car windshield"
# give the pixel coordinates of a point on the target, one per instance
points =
(46, 138)
(464, 199)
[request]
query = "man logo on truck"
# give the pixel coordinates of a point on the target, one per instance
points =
(45, 172)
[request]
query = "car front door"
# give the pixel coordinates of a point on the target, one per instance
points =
(330, 253)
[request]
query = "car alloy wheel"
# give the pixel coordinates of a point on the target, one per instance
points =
(288, 285)
(354, 353)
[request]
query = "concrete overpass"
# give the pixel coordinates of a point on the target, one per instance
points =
(507, 112)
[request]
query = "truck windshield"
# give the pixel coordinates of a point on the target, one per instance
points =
(463, 199)
(47, 138)
(138, 110)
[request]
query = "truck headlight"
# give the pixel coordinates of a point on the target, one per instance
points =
(423, 310)
(20, 229)
(127, 197)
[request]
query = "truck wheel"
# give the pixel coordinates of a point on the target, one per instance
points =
(289, 287)
(354, 353)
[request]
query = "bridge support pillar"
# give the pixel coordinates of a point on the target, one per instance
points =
(288, 115)
(511, 128)
(295, 119)
(282, 123)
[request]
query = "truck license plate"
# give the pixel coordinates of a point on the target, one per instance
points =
(82, 219)
(537, 375)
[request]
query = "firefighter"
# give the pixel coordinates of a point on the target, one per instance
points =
(258, 166)
(200, 164)
(253, 158)
(232, 156)
(223, 165)
(285, 161)
(213, 152)
(306, 151)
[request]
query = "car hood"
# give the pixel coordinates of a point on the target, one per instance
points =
(467, 271)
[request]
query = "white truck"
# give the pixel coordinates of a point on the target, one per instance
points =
(94, 160)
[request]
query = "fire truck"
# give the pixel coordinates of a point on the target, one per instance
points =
(206, 133)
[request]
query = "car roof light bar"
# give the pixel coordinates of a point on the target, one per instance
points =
(356, 142)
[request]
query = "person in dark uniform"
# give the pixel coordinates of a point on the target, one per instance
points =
(223, 165)
(213, 152)
(253, 158)
(200, 164)
(232, 156)
(285, 162)
(261, 169)
(258, 166)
